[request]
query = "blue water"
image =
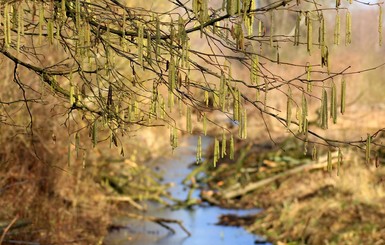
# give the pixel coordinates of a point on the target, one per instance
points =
(200, 220)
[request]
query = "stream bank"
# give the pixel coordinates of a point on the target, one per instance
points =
(304, 201)
(199, 220)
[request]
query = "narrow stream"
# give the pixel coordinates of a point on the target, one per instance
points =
(200, 220)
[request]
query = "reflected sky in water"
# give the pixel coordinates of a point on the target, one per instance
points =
(200, 221)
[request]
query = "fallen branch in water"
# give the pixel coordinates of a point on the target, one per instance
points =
(126, 199)
(161, 221)
(208, 197)
(322, 163)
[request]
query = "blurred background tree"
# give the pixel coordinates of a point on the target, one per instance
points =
(121, 66)
(77, 74)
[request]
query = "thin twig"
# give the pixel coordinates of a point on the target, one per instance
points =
(253, 186)
(5, 231)
(161, 222)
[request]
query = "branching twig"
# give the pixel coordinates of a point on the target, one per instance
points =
(5, 231)
(162, 222)
(253, 186)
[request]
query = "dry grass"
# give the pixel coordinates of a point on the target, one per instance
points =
(313, 207)
(322, 208)
(61, 205)
(58, 203)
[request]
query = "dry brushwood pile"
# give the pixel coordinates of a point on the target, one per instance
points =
(305, 201)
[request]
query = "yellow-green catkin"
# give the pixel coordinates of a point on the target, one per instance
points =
(348, 32)
(260, 28)
(328, 63)
(140, 42)
(309, 86)
(240, 103)
(304, 106)
(333, 103)
(215, 99)
(206, 99)
(337, 28)
(77, 145)
(250, 22)
(289, 107)
(297, 29)
(41, 22)
(20, 26)
(236, 106)
(309, 34)
(77, 12)
(184, 43)
(72, 94)
(324, 48)
(324, 109)
(380, 25)
(249, 17)
(277, 54)
(136, 109)
(330, 165)
(200, 8)
(171, 82)
(254, 69)
(216, 152)
(343, 95)
(232, 150)
(199, 150)
(162, 109)
(266, 89)
(188, 120)
(63, 10)
(84, 158)
(368, 146)
(50, 31)
(173, 137)
(321, 32)
(300, 119)
(339, 161)
(242, 130)
(223, 145)
(304, 114)
(157, 38)
(305, 145)
(7, 26)
(148, 50)
(94, 133)
(232, 7)
(314, 153)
